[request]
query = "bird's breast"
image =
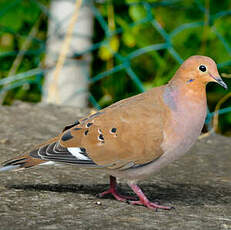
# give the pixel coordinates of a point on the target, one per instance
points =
(183, 125)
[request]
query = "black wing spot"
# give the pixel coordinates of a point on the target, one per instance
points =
(67, 136)
(86, 132)
(70, 126)
(113, 130)
(82, 149)
(89, 124)
(101, 138)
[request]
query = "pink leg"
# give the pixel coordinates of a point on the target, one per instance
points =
(113, 191)
(144, 200)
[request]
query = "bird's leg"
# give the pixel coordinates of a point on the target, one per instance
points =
(143, 200)
(113, 191)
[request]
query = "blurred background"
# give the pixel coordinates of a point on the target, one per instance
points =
(89, 53)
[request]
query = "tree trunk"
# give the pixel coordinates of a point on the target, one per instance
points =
(72, 84)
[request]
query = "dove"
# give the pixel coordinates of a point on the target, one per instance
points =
(135, 137)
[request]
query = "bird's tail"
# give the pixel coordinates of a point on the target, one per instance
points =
(21, 162)
(27, 160)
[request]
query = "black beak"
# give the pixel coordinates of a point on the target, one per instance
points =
(221, 82)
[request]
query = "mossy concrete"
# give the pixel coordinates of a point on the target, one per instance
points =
(198, 185)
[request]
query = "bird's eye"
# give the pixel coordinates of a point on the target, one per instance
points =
(202, 68)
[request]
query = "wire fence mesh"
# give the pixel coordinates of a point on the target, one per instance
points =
(123, 59)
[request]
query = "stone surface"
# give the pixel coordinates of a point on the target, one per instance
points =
(198, 185)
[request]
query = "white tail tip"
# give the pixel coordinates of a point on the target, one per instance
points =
(9, 168)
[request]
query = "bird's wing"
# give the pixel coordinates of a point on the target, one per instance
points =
(124, 135)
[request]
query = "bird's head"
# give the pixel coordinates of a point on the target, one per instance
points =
(199, 70)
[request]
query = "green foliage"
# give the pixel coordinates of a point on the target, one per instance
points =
(17, 18)
(20, 14)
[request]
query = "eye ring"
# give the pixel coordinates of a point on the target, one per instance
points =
(202, 68)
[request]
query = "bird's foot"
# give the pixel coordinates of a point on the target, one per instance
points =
(143, 200)
(113, 191)
(150, 205)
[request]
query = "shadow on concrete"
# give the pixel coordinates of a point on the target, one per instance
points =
(188, 194)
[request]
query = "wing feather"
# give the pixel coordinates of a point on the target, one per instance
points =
(55, 152)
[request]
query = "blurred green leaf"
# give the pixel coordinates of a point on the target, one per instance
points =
(106, 52)
(15, 17)
(137, 12)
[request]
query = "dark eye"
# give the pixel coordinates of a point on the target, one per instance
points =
(202, 68)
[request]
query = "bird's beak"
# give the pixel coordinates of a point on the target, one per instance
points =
(219, 81)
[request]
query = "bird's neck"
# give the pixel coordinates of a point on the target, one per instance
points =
(188, 106)
(194, 91)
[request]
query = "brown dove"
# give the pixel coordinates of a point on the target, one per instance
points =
(137, 136)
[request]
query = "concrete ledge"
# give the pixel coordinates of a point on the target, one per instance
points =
(198, 186)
